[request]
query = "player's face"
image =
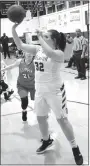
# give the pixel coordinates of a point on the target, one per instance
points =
(47, 38)
(28, 58)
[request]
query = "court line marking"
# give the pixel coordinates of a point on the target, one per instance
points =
(67, 100)
(71, 72)
(15, 96)
(78, 102)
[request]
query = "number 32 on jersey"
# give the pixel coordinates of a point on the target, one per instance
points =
(39, 66)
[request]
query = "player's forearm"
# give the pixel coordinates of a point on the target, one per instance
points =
(17, 40)
(9, 67)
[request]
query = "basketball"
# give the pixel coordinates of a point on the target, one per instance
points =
(16, 13)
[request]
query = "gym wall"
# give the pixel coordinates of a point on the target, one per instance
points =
(62, 21)
(67, 21)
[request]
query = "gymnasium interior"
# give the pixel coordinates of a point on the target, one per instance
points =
(19, 140)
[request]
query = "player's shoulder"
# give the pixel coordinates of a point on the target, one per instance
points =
(59, 52)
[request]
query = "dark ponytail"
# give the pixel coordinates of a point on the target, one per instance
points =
(59, 38)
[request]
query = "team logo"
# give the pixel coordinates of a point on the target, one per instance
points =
(41, 55)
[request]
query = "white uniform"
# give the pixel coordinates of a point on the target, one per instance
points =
(3, 73)
(50, 93)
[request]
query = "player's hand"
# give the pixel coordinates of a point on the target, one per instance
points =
(15, 25)
(39, 33)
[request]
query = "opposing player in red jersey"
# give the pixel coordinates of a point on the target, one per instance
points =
(25, 81)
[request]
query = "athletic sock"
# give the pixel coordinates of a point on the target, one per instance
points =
(73, 143)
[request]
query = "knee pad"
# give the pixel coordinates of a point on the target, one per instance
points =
(24, 102)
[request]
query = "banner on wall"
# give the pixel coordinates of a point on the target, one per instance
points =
(62, 19)
(65, 19)
(75, 16)
(44, 28)
(51, 22)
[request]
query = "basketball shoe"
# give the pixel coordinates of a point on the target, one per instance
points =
(77, 156)
(45, 144)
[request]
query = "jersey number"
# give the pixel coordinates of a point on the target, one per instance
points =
(26, 76)
(39, 66)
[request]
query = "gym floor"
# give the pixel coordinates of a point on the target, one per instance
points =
(19, 141)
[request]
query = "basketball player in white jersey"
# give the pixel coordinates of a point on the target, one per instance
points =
(50, 92)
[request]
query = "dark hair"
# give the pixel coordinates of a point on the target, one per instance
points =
(60, 39)
(68, 33)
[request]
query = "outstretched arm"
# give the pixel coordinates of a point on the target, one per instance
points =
(20, 45)
(11, 66)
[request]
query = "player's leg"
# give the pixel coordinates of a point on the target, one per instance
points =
(69, 133)
(24, 104)
(59, 106)
(42, 109)
(32, 95)
(23, 93)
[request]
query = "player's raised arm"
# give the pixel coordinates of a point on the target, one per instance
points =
(20, 45)
(53, 44)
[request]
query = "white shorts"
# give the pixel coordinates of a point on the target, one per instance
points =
(55, 102)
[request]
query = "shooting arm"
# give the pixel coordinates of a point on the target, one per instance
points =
(20, 45)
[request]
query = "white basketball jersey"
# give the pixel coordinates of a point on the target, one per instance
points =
(3, 73)
(47, 72)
